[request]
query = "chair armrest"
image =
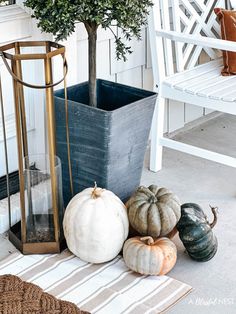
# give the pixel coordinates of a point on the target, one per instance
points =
(198, 40)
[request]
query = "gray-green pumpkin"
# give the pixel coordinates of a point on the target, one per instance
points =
(153, 211)
(196, 232)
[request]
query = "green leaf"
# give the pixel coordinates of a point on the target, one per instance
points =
(60, 16)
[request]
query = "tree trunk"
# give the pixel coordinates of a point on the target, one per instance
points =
(92, 47)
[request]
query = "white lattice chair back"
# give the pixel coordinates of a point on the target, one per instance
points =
(190, 17)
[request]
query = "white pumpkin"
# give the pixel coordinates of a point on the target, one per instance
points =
(95, 225)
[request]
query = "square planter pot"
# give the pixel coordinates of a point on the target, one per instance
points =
(107, 143)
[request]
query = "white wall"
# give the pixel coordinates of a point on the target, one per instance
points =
(136, 71)
(16, 24)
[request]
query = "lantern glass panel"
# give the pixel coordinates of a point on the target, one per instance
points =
(38, 198)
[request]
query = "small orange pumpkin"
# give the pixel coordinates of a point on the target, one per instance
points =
(147, 256)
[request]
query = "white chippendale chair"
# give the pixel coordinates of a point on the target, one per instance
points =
(179, 31)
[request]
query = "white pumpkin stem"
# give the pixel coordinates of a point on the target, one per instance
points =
(149, 240)
(214, 212)
(96, 192)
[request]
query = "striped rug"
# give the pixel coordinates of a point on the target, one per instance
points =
(109, 288)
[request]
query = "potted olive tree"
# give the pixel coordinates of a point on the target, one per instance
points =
(109, 122)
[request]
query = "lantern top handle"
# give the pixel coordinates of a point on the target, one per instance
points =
(59, 50)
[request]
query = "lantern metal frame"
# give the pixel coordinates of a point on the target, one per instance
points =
(17, 232)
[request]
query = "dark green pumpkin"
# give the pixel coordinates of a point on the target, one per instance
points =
(196, 232)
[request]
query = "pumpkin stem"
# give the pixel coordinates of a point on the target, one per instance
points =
(149, 240)
(214, 212)
(152, 199)
(96, 192)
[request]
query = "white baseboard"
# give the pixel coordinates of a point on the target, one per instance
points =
(195, 123)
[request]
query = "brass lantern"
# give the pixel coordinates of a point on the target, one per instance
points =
(40, 227)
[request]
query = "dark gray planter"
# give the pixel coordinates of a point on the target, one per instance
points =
(108, 143)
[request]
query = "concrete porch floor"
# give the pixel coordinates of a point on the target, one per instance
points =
(203, 182)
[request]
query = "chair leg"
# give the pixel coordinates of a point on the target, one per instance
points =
(157, 133)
